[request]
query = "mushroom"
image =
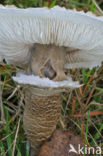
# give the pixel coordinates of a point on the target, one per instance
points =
(48, 41)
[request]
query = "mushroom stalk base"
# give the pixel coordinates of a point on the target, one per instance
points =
(41, 115)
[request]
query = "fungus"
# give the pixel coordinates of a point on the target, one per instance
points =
(48, 41)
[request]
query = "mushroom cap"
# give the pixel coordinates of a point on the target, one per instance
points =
(20, 29)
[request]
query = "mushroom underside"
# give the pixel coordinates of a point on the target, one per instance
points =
(42, 112)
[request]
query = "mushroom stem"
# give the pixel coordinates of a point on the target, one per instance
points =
(41, 115)
(42, 111)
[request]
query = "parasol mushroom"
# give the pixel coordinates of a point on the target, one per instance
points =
(48, 41)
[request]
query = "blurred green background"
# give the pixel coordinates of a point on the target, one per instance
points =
(86, 5)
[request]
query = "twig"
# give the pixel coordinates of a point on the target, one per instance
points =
(5, 154)
(94, 103)
(90, 95)
(96, 128)
(1, 106)
(80, 101)
(97, 6)
(15, 90)
(62, 124)
(67, 103)
(15, 116)
(3, 139)
(14, 143)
